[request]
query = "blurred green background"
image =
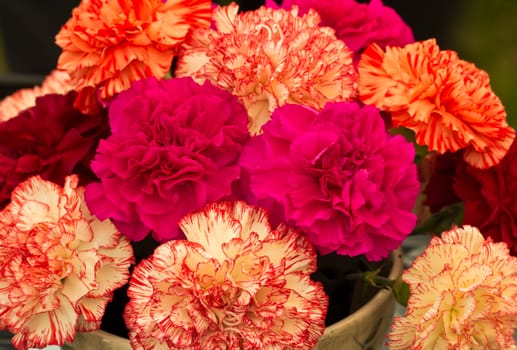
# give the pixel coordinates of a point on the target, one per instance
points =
(483, 32)
(486, 33)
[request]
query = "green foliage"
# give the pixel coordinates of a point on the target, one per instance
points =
(400, 291)
(442, 221)
(398, 287)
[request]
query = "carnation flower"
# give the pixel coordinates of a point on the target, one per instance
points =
(174, 147)
(357, 24)
(446, 101)
(236, 283)
(59, 265)
(335, 175)
(463, 295)
(107, 44)
(51, 139)
(438, 189)
(57, 82)
(269, 58)
(19, 101)
(490, 198)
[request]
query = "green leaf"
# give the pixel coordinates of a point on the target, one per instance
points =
(400, 291)
(441, 221)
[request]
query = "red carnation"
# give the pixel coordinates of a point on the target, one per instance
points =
(51, 139)
(490, 197)
(441, 169)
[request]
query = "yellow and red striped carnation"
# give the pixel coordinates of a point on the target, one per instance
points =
(235, 283)
(59, 265)
(446, 101)
(463, 295)
(268, 58)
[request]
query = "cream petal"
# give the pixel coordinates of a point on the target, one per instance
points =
(295, 253)
(105, 233)
(111, 274)
(211, 229)
(85, 326)
(472, 276)
(35, 189)
(225, 17)
(252, 219)
(402, 334)
(468, 236)
(75, 288)
(83, 231)
(433, 261)
(56, 327)
(33, 213)
(92, 309)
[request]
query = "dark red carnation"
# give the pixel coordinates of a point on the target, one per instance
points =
(490, 198)
(437, 170)
(51, 139)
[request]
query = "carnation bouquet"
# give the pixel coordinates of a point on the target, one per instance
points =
(208, 167)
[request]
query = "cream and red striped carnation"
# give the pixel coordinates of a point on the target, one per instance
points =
(236, 283)
(269, 58)
(59, 265)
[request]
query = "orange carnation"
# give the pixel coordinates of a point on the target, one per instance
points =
(463, 295)
(269, 58)
(109, 44)
(446, 101)
(59, 266)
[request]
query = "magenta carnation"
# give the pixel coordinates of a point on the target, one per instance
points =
(357, 24)
(335, 175)
(174, 147)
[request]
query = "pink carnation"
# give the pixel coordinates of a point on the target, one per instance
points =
(335, 175)
(174, 147)
(357, 24)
